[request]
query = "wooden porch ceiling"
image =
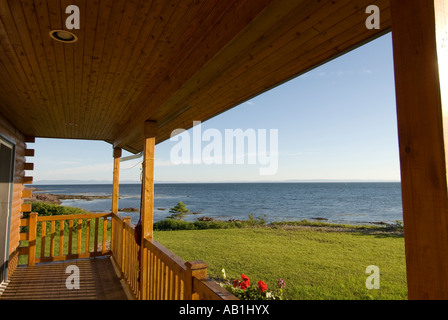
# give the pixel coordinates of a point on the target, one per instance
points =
(166, 60)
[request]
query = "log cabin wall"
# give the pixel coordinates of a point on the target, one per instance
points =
(19, 192)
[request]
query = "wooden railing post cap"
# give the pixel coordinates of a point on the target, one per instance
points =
(33, 214)
(196, 265)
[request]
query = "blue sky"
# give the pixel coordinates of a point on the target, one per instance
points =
(336, 122)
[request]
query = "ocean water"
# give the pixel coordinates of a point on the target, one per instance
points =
(352, 203)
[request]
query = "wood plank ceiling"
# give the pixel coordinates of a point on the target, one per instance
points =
(166, 60)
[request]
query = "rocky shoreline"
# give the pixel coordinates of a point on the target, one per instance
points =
(57, 198)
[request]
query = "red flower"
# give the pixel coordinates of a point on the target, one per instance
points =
(262, 286)
(235, 283)
(245, 279)
(243, 285)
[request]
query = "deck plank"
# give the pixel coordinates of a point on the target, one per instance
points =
(98, 281)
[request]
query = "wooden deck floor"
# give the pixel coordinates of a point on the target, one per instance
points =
(98, 281)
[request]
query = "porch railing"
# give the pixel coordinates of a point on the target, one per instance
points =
(65, 237)
(165, 276)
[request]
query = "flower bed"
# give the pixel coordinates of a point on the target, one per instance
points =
(245, 290)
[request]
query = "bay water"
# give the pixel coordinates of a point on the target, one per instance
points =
(350, 203)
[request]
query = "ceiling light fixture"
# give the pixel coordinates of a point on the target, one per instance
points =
(63, 36)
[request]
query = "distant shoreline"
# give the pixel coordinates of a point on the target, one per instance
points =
(42, 196)
(59, 183)
(57, 198)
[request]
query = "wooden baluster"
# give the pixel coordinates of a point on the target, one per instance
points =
(151, 275)
(171, 284)
(70, 236)
(104, 235)
(181, 288)
(112, 236)
(95, 249)
(159, 278)
(176, 287)
(52, 228)
(43, 236)
(88, 235)
(61, 237)
(123, 244)
(165, 282)
(128, 258)
(79, 237)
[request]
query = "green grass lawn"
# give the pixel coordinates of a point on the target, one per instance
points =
(316, 260)
(315, 264)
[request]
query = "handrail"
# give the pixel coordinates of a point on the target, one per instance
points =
(207, 289)
(166, 276)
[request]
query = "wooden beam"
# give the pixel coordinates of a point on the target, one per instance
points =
(29, 152)
(417, 29)
(27, 180)
(116, 180)
(30, 139)
(27, 193)
(26, 207)
(28, 166)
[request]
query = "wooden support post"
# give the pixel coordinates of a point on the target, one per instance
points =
(149, 134)
(32, 235)
(419, 31)
(115, 192)
(195, 269)
(150, 131)
(116, 180)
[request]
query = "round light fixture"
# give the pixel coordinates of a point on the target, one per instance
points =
(63, 36)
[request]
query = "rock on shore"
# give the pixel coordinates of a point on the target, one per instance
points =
(56, 198)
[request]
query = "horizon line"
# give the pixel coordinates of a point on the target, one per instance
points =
(69, 182)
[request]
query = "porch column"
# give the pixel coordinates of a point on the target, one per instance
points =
(420, 41)
(149, 132)
(116, 180)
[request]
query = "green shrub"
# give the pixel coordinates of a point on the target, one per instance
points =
(170, 224)
(47, 209)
